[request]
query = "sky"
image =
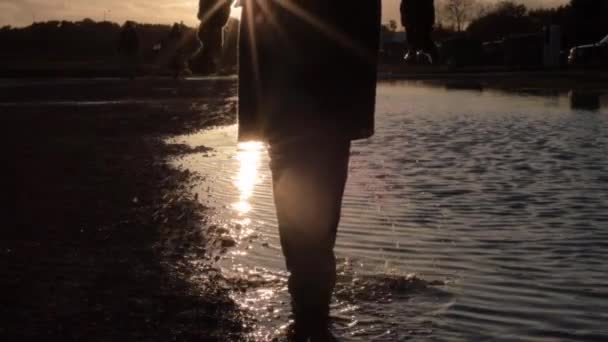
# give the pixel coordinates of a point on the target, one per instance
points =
(23, 12)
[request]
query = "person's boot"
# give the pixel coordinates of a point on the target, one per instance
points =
(410, 57)
(311, 314)
(311, 284)
(323, 336)
(424, 58)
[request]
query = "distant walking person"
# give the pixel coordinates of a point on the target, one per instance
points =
(418, 18)
(128, 47)
(175, 48)
(307, 87)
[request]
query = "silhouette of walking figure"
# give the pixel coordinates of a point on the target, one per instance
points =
(213, 15)
(418, 18)
(128, 47)
(307, 87)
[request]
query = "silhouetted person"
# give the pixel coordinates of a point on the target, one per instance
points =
(176, 33)
(418, 18)
(213, 15)
(128, 47)
(307, 87)
(175, 47)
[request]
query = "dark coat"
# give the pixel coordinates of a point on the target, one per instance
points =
(308, 70)
(306, 67)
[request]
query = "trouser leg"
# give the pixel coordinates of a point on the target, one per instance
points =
(206, 58)
(413, 41)
(428, 45)
(308, 183)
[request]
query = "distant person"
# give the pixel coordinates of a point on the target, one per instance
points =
(418, 18)
(179, 64)
(175, 47)
(176, 33)
(307, 87)
(128, 47)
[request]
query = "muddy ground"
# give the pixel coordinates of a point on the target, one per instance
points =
(99, 232)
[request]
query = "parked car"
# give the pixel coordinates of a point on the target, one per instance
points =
(524, 50)
(591, 54)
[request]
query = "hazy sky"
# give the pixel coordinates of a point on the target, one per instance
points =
(23, 12)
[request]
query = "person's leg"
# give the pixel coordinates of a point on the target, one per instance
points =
(412, 43)
(308, 182)
(205, 60)
(428, 45)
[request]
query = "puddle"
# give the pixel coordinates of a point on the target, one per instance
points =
(470, 215)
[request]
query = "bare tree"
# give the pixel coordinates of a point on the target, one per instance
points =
(459, 12)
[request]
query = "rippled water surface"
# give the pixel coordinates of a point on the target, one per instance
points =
(470, 215)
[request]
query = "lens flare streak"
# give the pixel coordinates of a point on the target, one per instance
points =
(247, 177)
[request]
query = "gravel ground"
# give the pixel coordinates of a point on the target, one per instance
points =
(99, 231)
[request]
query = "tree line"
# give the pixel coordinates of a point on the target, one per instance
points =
(72, 41)
(90, 41)
(582, 21)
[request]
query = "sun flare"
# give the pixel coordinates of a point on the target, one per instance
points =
(248, 156)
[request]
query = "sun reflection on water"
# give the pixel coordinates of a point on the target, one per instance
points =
(248, 155)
